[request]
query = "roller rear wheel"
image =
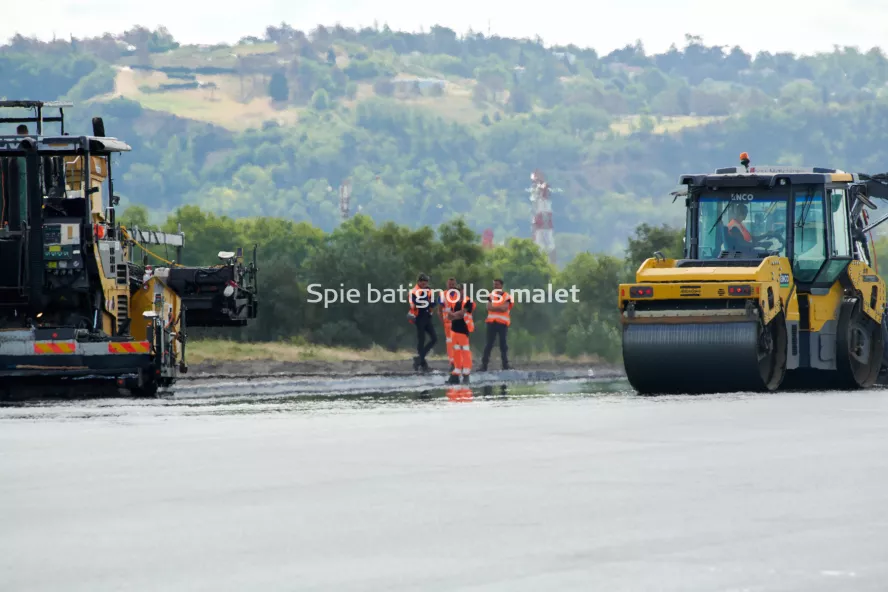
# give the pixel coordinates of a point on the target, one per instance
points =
(859, 347)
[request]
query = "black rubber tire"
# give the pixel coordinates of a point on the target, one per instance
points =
(146, 391)
(859, 347)
(773, 363)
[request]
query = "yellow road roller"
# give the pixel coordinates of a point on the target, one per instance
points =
(776, 287)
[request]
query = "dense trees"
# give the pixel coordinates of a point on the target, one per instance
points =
(592, 123)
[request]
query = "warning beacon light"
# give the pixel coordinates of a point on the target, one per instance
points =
(744, 160)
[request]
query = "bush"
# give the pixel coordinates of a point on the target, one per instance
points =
(366, 70)
(384, 87)
(594, 337)
(450, 65)
(97, 82)
(522, 344)
(342, 333)
(320, 100)
(278, 87)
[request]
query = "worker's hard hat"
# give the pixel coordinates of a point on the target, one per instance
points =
(423, 277)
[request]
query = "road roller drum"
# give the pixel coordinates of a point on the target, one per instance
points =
(703, 357)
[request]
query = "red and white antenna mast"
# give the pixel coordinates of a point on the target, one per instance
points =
(543, 234)
(344, 199)
(487, 239)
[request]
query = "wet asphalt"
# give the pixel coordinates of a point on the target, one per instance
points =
(572, 485)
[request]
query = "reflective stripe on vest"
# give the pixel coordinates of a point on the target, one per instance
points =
(503, 317)
(739, 225)
(467, 317)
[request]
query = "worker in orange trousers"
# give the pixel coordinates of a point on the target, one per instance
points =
(461, 325)
(450, 297)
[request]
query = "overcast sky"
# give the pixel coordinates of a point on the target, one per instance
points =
(798, 26)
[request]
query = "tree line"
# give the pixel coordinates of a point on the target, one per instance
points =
(359, 253)
(417, 167)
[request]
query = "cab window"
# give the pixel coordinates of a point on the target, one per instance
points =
(809, 246)
(840, 252)
(841, 236)
(747, 223)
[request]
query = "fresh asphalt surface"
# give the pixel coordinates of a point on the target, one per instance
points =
(574, 485)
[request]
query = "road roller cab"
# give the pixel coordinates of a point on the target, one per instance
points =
(775, 287)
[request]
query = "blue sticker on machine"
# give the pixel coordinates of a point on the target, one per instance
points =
(871, 278)
(784, 280)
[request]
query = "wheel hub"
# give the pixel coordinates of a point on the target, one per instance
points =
(860, 344)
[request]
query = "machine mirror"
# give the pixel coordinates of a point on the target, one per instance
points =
(98, 125)
(858, 193)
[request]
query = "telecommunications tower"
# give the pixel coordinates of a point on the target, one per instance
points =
(344, 199)
(487, 239)
(543, 234)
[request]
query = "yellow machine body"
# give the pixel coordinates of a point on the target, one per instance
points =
(84, 307)
(715, 322)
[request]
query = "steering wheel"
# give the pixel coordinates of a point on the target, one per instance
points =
(773, 236)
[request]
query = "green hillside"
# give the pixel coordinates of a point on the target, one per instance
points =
(438, 134)
(435, 125)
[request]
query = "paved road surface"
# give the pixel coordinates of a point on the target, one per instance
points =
(609, 492)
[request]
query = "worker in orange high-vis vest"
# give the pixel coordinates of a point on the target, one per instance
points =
(737, 237)
(461, 325)
(449, 297)
(739, 240)
(421, 304)
(499, 317)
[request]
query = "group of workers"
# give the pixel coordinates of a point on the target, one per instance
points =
(456, 311)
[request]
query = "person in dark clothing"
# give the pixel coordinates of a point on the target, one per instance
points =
(421, 305)
(499, 312)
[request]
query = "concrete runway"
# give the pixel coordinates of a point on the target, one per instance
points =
(571, 491)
